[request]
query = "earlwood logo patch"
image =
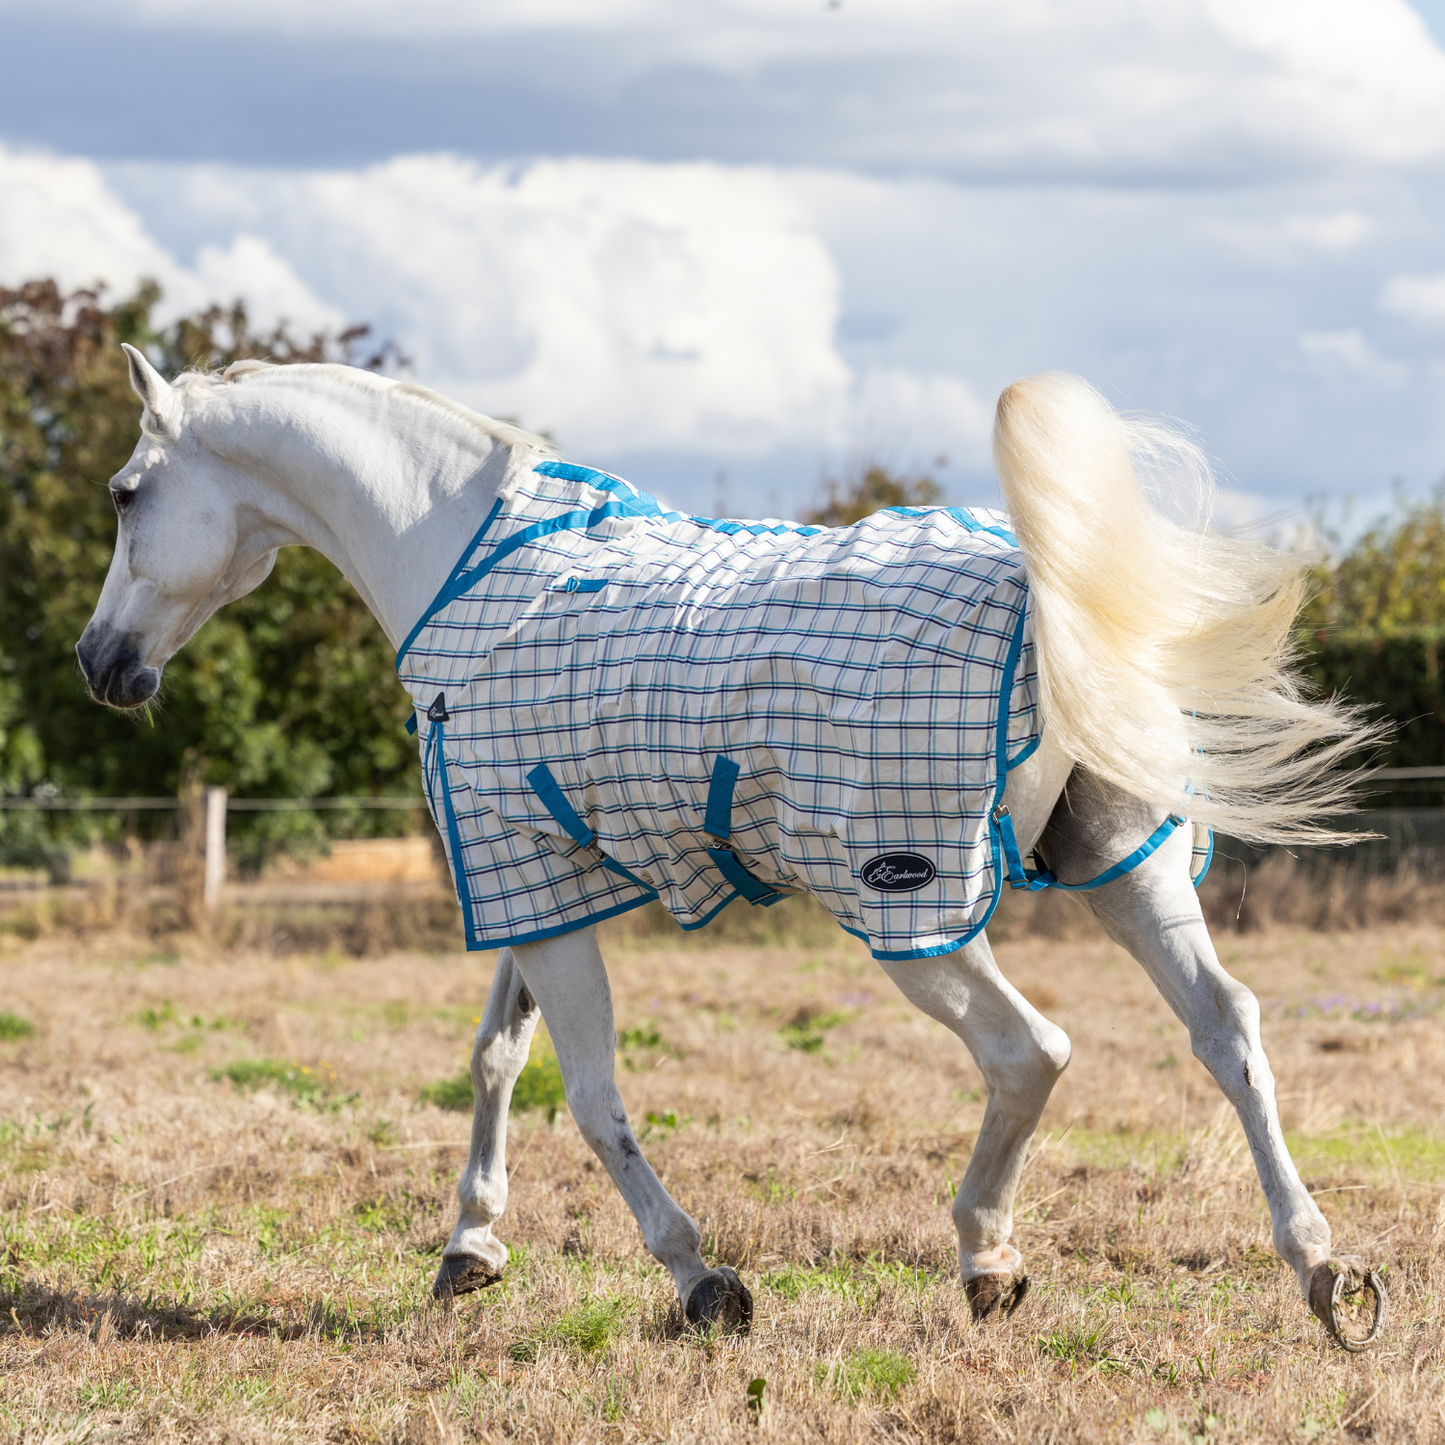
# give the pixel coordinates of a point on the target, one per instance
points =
(898, 872)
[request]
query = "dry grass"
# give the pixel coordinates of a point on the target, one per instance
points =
(186, 1257)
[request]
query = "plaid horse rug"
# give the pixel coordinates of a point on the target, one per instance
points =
(618, 703)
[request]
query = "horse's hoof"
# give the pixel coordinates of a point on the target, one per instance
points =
(995, 1294)
(720, 1301)
(462, 1274)
(1351, 1304)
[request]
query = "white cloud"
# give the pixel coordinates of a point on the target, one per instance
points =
(1116, 89)
(249, 268)
(675, 321)
(1284, 239)
(893, 409)
(626, 306)
(59, 218)
(1418, 298)
(1350, 352)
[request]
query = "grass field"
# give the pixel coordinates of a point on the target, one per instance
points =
(222, 1199)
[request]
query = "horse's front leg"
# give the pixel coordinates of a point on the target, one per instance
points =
(1154, 913)
(1020, 1055)
(567, 978)
(474, 1257)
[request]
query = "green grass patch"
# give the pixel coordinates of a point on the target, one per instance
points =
(385, 1216)
(879, 1373)
(155, 1018)
(1162, 1151)
(301, 1081)
(645, 1041)
(1412, 968)
(805, 1031)
(793, 1281)
(1080, 1349)
(115, 1394)
(659, 1124)
(1364, 1149)
(851, 1280)
(383, 1133)
(581, 1331)
(13, 1027)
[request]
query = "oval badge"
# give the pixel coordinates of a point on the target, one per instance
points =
(898, 872)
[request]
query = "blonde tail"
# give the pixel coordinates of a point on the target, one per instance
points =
(1164, 650)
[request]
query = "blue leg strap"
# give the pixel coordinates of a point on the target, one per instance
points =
(717, 821)
(1021, 877)
(1018, 875)
(546, 788)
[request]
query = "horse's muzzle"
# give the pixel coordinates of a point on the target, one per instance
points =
(113, 670)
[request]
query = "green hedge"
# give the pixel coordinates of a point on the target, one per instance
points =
(1397, 676)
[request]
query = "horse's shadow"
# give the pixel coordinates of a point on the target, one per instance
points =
(28, 1308)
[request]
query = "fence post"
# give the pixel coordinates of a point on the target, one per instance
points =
(215, 846)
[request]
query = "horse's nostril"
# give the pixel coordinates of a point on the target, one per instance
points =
(86, 658)
(128, 684)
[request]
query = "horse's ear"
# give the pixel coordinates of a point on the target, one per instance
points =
(152, 388)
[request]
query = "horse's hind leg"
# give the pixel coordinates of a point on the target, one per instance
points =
(1020, 1055)
(474, 1257)
(567, 977)
(1154, 913)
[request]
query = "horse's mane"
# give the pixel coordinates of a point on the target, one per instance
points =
(354, 377)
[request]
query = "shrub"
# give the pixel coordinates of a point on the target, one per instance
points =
(540, 1085)
(454, 1093)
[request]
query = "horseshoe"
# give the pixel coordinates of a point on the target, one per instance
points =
(1331, 1290)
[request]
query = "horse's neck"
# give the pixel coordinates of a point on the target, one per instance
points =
(391, 496)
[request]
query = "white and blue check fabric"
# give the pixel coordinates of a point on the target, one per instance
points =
(618, 703)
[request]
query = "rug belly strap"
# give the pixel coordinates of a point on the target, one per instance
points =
(546, 788)
(718, 822)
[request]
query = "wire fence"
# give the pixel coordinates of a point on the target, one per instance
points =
(58, 804)
(202, 817)
(1390, 837)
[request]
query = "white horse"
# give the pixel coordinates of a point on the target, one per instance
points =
(1163, 677)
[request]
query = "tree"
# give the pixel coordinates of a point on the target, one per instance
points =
(1391, 580)
(288, 692)
(1373, 630)
(871, 490)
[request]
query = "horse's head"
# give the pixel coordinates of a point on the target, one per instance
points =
(187, 544)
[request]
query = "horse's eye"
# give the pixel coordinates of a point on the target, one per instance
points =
(122, 497)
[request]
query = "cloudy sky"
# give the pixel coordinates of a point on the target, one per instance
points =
(724, 246)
